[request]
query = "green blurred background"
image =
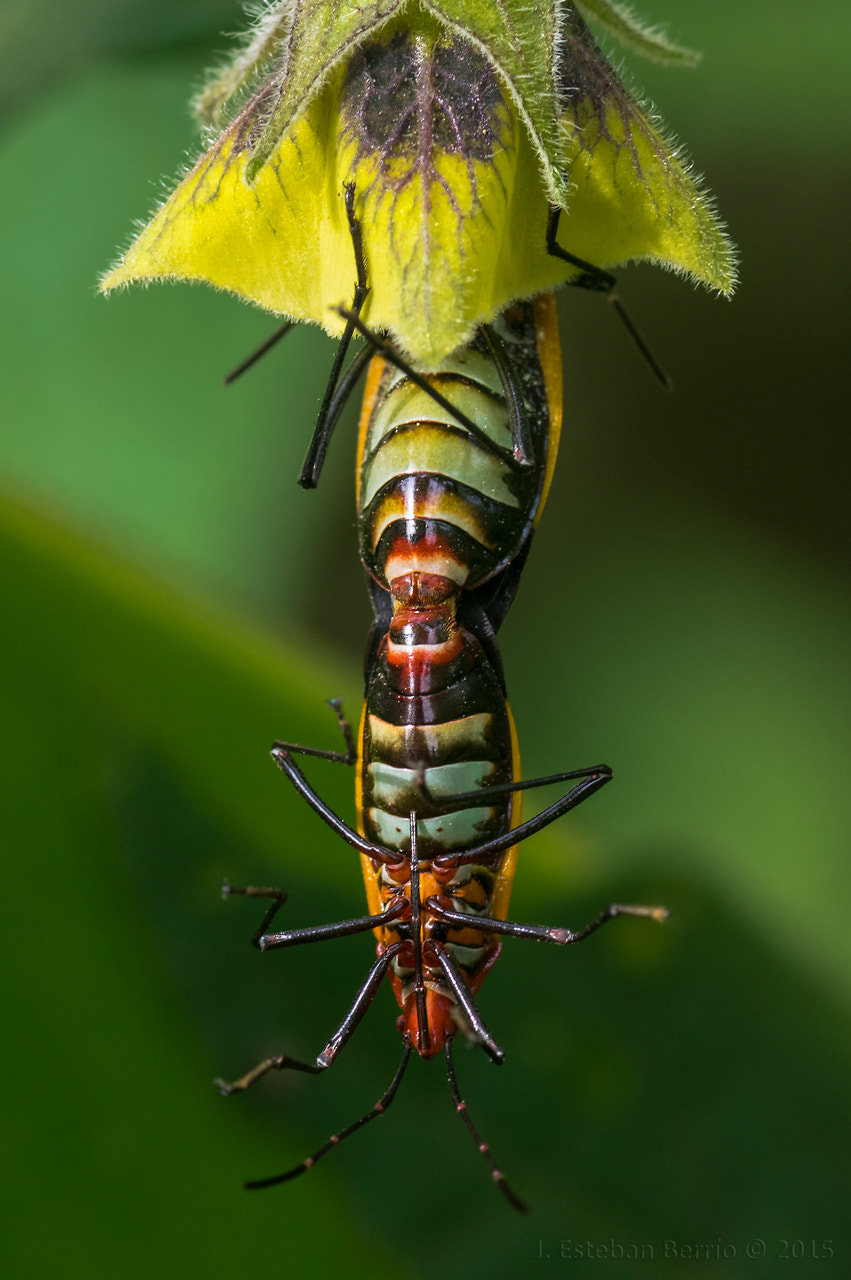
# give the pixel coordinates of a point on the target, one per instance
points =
(173, 602)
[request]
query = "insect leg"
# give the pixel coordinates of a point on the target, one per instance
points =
(518, 420)
(332, 404)
(461, 1107)
(416, 931)
(264, 941)
(462, 994)
(335, 1140)
(596, 278)
(339, 929)
(283, 1062)
(339, 386)
(502, 788)
(542, 933)
(338, 757)
(591, 780)
(337, 393)
(287, 765)
(387, 352)
(592, 277)
(258, 354)
(279, 897)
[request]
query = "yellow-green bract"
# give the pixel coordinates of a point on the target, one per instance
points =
(460, 123)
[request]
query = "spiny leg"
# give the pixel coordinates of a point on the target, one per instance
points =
(336, 1138)
(601, 281)
(461, 1108)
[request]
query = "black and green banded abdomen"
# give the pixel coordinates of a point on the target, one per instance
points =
(436, 726)
(432, 496)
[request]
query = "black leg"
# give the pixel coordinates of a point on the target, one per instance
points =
(278, 896)
(387, 352)
(335, 1140)
(416, 933)
(461, 991)
(263, 941)
(258, 354)
(340, 385)
(338, 757)
(518, 420)
(592, 780)
(282, 1062)
(481, 794)
(332, 404)
(542, 933)
(592, 277)
(461, 1108)
(396, 910)
(287, 765)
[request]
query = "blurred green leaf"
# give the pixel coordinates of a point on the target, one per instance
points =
(129, 710)
(42, 40)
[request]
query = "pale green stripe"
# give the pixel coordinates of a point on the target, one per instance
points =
(453, 830)
(391, 783)
(432, 448)
(408, 403)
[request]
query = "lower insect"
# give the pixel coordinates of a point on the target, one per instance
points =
(436, 943)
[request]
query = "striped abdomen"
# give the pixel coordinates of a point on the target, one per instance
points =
(444, 515)
(436, 725)
(432, 496)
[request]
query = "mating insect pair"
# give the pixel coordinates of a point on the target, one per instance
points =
(453, 470)
(460, 131)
